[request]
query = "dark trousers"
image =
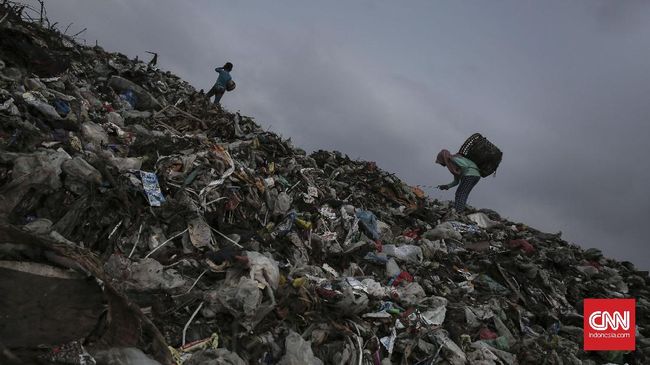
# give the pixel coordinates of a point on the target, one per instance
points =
(217, 92)
(465, 186)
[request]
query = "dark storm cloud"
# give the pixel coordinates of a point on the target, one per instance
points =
(562, 87)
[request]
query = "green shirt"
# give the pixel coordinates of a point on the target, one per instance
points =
(467, 168)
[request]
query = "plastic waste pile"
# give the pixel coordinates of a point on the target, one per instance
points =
(139, 224)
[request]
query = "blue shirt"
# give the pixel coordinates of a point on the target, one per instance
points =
(224, 77)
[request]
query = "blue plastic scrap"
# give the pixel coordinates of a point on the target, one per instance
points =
(62, 107)
(368, 222)
(130, 97)
(152, 188)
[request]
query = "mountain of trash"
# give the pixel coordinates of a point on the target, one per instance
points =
(139, 224)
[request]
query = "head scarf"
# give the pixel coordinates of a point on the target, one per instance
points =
(444, 158)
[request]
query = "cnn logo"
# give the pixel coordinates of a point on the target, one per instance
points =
(603, 321)
(609, 324)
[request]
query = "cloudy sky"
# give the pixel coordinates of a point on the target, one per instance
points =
(562, 87)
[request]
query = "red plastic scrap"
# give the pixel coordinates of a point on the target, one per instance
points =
(326, 293)
(129, 138)
(108, 107)
(243, 259)
(378, 246)
(412, 233)
(595, 264)
(522, 244)
(403, 276)
(232, 203)
(487, 334)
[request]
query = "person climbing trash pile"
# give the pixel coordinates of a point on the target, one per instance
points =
(476, 158)
(224, 83)
(466, 176)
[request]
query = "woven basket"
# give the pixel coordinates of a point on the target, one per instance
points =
(467, 146)
(483, 153)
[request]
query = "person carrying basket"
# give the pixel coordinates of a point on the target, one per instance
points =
(476, 158)
(466, 176)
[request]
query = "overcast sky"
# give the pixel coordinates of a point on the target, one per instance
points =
(563, 87)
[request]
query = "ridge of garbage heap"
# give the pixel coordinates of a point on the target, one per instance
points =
(169, 231)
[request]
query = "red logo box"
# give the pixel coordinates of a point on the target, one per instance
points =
(609, 324)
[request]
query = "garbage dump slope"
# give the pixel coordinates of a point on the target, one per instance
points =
(140, 224)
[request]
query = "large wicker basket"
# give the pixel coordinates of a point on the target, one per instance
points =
(483, 153)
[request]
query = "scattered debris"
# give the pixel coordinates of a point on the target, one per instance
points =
(141, 224)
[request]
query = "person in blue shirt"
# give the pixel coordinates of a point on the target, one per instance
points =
(219, 87)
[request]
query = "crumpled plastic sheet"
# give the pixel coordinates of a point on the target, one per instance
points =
(40, 169)
(45, 108)
(241, 300)
(145, 275)
(431, 248)
(310, 196)
(352, 233)
(282, 203)
(259, 265)
(9, 106)
(373, 288)
(213, 184)
(368, 221)
(389, 341)
(475, 315)
(492, 285)
(298, 352)
(411, 294)
(443, 230)
(407, 253)
(392, 268)
(482, 220)
(327, 212)
(436, 310)
(94, 134)
(351, 302)
(454, 354)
